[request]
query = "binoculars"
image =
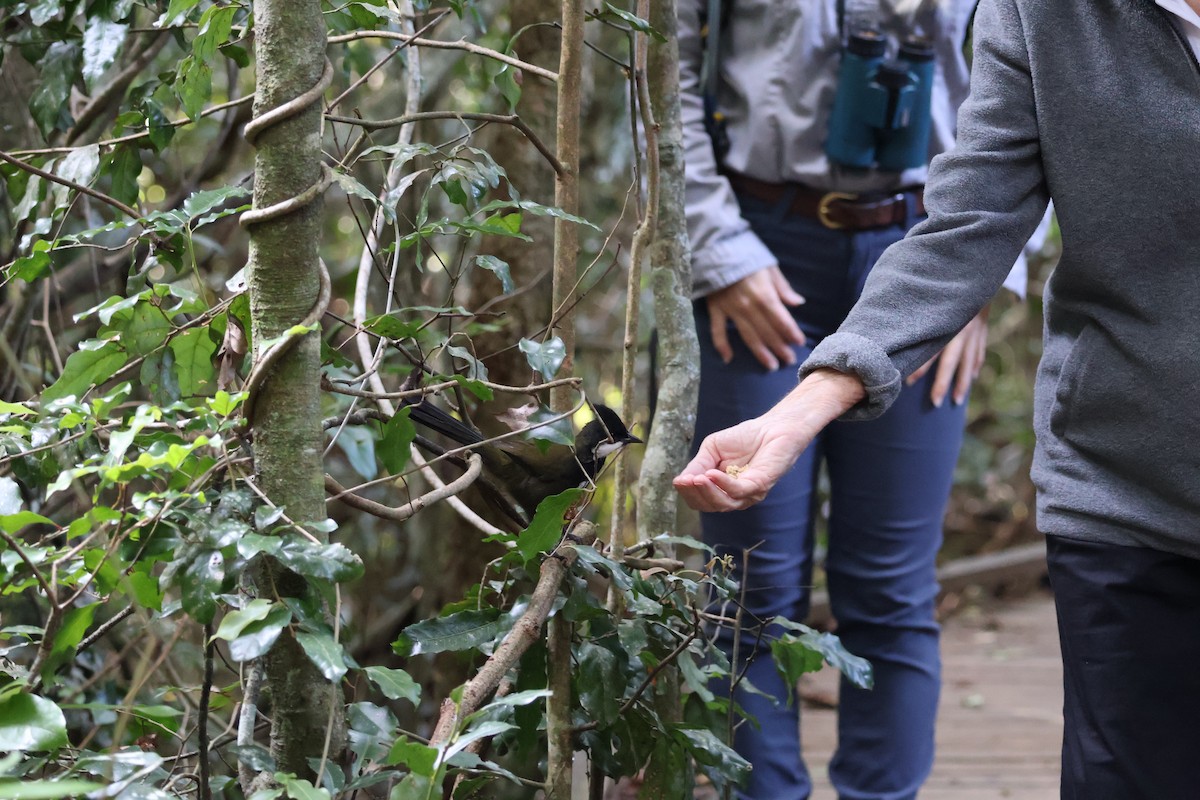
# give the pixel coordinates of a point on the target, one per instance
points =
(881, 112)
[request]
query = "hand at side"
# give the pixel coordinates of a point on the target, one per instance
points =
(736, 467)
(959, 364)
(758, 307)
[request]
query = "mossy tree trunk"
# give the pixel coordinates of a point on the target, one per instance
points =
(284, 284)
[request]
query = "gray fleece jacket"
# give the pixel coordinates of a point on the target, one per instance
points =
(1095, 103)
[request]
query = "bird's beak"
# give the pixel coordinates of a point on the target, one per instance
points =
(631, 439)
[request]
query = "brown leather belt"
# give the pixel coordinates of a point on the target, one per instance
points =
(835, 210)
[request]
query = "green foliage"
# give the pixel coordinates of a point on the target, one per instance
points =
(129, 503)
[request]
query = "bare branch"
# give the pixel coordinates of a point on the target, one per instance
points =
(401, 513)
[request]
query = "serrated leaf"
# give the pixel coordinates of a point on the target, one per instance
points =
(498, 268)
(464, 630)
(29, 722)
(546, 529)
(327, 654)
(396, 684)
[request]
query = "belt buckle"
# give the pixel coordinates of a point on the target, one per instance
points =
(828, 199)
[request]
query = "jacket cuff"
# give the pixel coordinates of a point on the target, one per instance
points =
(725, 262)
(849, 352)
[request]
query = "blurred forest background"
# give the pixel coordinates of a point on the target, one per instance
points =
(146, 102)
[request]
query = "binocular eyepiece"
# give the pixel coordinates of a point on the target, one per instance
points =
(881, 111)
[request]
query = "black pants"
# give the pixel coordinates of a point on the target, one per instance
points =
(1129, 623)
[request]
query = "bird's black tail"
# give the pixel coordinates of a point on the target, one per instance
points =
(432, 417)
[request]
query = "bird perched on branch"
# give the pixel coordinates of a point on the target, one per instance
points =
(527, 473)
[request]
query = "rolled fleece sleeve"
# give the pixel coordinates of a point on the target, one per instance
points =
(985, 199)
(724, 248)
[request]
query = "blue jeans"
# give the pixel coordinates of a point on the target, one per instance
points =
(889, 480)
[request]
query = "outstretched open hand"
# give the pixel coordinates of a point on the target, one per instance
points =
(736, 467)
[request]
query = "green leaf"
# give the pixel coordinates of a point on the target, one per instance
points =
(257, 637)
(48, 104)
(29, 268)
(158, 375)
(358, 443)
(10, 497)
(546, 530)
(395, 448)
(200, 583)
(19, 409)
(194, 85)
(300, 789)
(70, 633)
(86, 368)
(13, 523)
(500, 269)
(420, 759)
(632, 20)
(545, 357)
(102, 40)
(215, 25)
(176, 12)
(332, 562)
(396, 684)
(710, 751)
(326, 653)
(858, 670)
(390, 327)
(236, 621)
(598, 682)
(29, 722)
(476, 370)
(144, 330)
(11, 789)
(199, 207)
(195, 374)
(537, 209)
(465, 630)
(123, 170)
(506, 82)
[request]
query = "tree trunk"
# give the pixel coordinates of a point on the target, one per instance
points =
(284, 284)
(671, 278)
(678, 359)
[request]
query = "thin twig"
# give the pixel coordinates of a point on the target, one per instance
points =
(99, 633)
(461, 44)
(79, 187)
(401, 513)
(503, 119)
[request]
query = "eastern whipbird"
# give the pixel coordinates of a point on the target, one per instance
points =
(527, 473)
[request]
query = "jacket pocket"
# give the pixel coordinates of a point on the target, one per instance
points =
(1070, 380)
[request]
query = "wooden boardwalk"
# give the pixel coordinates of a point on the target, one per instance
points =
(1000, 721)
